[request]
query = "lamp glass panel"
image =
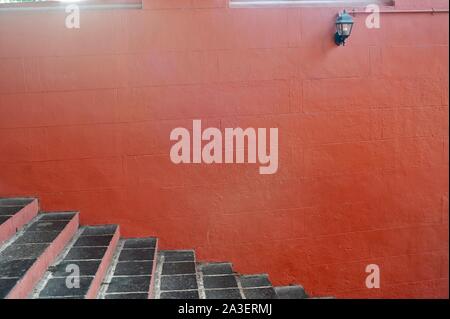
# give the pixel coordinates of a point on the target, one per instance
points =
(339, 28)
(346, 29)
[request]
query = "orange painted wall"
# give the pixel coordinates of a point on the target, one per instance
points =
(85, 117)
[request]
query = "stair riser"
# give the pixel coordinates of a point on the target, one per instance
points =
(103, 268)
(25, 286)
(22, 217)
(151, 293)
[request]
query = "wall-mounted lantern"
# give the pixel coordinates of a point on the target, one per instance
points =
(344, 26)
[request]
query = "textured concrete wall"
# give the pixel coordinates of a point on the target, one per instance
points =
(85, 117)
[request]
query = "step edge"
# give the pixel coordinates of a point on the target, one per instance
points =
(103, 268)
(151, 292)
(16, 222)
(32, 277)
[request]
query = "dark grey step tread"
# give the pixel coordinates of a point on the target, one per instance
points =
(61, 297)
(67, 215)
(56, 287)
(129, 284)
(93, 241)
(220, 281)
(216, 268)
(291, 292)
(22, 251)
(178, 282)
(98, 230)
(6, 285)
(178, 277)
(4, 218)
(132, 295)
(145, 242)
(260, 293)
(37, 237)
(137, 251)
(134, 268)
(21, 254)
(134, 254)
(8, 211)
(16, 201)
(132, 274)
(255, 281)
(178, 268)
(87, 254)
(87, 267)
(230, 293)
(177, 255)
(34, 239)
(15, 268)
(257, 286)
(182, 294)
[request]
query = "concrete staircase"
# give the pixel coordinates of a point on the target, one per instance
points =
(50, 256)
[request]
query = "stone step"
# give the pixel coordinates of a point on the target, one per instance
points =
(46, 256)
(209, 270)
(131, 275)
(86, 258)
(176, 275)
(219, 282)
(25, 258)
(291, 292)
(255, 281)
(216, 268)
(14, 214)
(257, 286)
(180, 278)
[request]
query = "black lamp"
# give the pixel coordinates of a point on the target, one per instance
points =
(344, 26)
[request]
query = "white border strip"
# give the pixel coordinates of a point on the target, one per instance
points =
(296, 3)
(81, 6)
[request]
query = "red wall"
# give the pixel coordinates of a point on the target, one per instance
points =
(85, 117)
